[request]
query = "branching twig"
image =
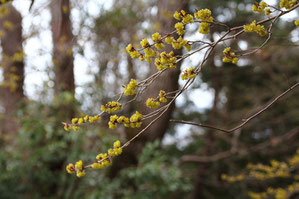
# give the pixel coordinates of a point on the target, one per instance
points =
(246, 120)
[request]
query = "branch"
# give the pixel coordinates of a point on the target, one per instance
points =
(246, 120)
(241, 152)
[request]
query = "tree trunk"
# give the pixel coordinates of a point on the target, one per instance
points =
(168, 81)
(62, 46)
(13, 68)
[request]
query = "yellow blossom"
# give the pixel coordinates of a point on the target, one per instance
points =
(156, 37)
(180, 28)
(80, 173)
(97, 165)
(151, 103)
(111, 107)
(188, 74)
(70, 168)
(144, 43)
(135, 120)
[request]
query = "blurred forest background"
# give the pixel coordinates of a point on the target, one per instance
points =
(65, 58)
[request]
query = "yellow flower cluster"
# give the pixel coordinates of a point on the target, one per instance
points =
(157, 38)
(113, 121)
(267, 11)
(179, 28)
(131, 50)
(205, 16)
(229, 56)
(262, 172)
(162, 97)
(117, 150)
(277, 193)
(257, 28)
(111, 107)
(70, 168)
(179, 43)
(145, 44)
(232, 179)
(149, 53)
(296, 22)
(133, 122)
(103, 160)
(78, 168)
(188, 74)
(165, 60)
(130, 89)
(79, 121)
(276, 169)
(186, 18)
(259, 7)
(288, 4)
(151, 103)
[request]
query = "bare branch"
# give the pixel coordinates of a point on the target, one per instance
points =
(245, 121)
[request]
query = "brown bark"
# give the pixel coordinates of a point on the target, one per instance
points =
(168, 81)
(62, 46)
(13, 68)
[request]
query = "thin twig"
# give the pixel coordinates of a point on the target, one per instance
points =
(246, 120)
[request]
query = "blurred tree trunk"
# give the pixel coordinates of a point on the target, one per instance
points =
(168, 81)
(13, 68)
(63, 59)
(62, 46)
(63, 62)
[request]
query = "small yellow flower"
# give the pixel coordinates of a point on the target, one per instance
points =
(156, 37)
(80, 121)
(130, 89)
(267, 11)
(135, 120)
(296, 22)
(101, 156)
(180, 28)
(79, 165)
(229, 56)
(176, 15)
(67, 127)
(75, 128)
(169, 40)
(144, 43)
(187, 19)
(151, 103)
(113, 121)
(80, 173)
(204, 28)
(97, 165)
(74, 120)
(86, 118)
(188, 74)
(116, 144)
(70, 168)
(204, 15)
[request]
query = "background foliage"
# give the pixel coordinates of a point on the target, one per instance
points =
(33, 160)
